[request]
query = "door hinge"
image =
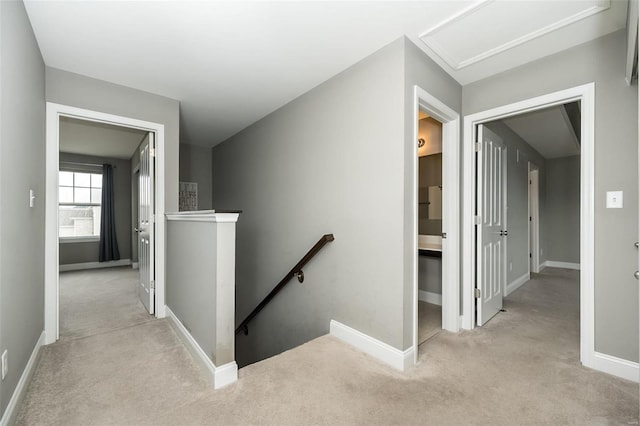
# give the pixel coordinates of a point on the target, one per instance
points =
(530, 256)
(478, 146)
(152, 152)
(152, 284)
(477, 220)
(477, 293)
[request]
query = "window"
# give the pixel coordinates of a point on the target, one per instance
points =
(80, 195)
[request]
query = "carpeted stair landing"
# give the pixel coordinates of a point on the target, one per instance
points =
(522, 368)
(145, 376)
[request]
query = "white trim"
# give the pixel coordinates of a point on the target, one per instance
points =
(450, 120)
(53, 113)
(555, 264)
(585, 94)
(616, 366)
(429, 297)
(135, 265)
(220, 376)
(203, 217)
(70, 240)
(442, 52)
(517, 283)
(19, 392)
(226, 374)
(400, 360)
(632, 41)
(94, 265)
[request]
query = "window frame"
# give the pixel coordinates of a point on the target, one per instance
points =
(78, 238)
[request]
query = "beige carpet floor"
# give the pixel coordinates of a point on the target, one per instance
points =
(429, 321)
(522, 368)
(99, 300)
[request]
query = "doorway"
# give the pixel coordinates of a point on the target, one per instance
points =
(429, 227)
(534, 218)
(450, 202)
(56, 113)
(96, 283)
(585, 95)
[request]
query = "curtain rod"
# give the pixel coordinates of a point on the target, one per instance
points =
(86, 164)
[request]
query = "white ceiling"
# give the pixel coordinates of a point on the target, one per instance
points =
(548, 131)
(230, 63)
(98, 139)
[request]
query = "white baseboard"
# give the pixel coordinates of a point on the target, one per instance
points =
(226, 374)
(515, 284)
(94, 265)
(615, 366)
(554, 264)
(220, 376)
(429, 297)
(11, 412)
(400, 360)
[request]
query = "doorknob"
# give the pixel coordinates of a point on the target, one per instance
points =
(637, 244)
(137, 229)
(636, 275)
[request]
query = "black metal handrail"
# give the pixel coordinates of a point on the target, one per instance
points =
(296, 271)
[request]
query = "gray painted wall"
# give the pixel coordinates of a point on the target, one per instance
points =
(22, 148)
(563, 209)
(88, 251)
(419, 70)
(195, 166)
(430, 274)
(330, 161)
(191, 273)
(519, 153)
(84, 92)
(201, 269)
(317, 167)
(616, 168)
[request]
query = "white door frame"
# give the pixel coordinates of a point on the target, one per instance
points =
(450, 210)
(51, 271)
(534, 215)
(586, 95)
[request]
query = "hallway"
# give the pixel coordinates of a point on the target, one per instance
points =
(99, 300)
(521, 368)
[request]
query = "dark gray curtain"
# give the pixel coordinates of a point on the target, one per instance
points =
(108, 243)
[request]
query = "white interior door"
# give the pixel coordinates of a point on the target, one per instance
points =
(534, 240)
(491, 231)
(146, 224)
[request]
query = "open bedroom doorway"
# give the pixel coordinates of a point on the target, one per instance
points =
(90, 284)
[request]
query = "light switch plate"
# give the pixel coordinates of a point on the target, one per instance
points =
(614, 199)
